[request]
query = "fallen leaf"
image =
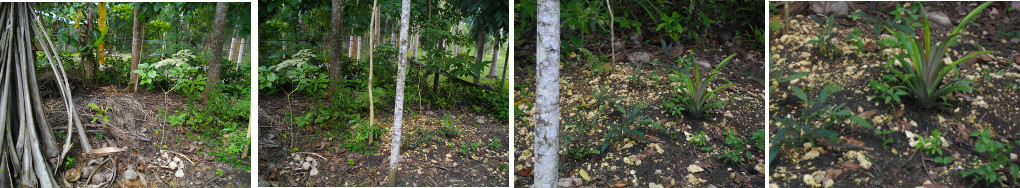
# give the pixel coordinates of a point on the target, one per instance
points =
(850, 166)
(584, 175)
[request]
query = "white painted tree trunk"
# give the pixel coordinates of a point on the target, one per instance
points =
(547, 95)
(372, 32)
(398, 108)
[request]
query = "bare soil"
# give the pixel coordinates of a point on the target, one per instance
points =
(432, 162)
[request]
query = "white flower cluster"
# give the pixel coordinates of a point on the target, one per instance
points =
(179, 59)
(298, 59)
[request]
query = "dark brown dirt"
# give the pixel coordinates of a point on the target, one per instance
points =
(743, 113)
(429, 163)
(992, 105)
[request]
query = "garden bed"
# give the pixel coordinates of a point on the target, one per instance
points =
(860, 157)
(663, 156)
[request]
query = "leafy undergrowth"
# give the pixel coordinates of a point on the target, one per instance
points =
(969, 143)
(617, 131)
(452, 147)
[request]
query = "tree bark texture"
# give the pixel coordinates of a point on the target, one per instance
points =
(398, 107)
(547, 110)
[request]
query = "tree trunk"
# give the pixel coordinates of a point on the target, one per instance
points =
(371, 62)
(335, 45)
(219, 28)
(85, 39)
(495, 56)
(136, 46)
(547, 95)
(479, 52)
(398, 108)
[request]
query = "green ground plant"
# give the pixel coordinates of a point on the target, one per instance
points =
(813, 120)
(931, 145)
(630, 125)
(695, 96)
(738, 149)
(997, 154)
(100, 113)
(889, 95)
(823, 39)
(920, 69)
(701, 140)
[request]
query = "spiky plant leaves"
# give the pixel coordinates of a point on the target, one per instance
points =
(694, 96)
(921, 69)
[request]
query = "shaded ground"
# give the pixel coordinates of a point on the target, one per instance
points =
(150, 143)
(992, 105)
(427, 160)
(664, 157)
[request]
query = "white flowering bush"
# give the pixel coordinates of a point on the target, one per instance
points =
(299, 59)
(180, 58)
(176, 71)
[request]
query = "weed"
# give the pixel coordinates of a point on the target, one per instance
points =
(695, 96)
(886, 140)
(998, 157)
(495, 144)
(823, 39)
(100, 113)
(889, 95)
(921, 69)
(932, 145)
(701, 140)
(219, 172)
(350, 162)
(813, 120)
(99, 136)
(943, 159)
(449, 127)
(69, 163)
(628, 125)
(738, 150)
(60, 134)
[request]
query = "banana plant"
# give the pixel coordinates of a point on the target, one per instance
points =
(921, 68)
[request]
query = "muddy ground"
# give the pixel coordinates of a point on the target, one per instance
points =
(664, 157)
(432, 162)
(133, 126)
(860, 159)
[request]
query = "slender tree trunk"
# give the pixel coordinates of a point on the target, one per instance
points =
(506, 61)
(335, 57)
(136, 46)
(547, 95)
(398, 108)
(495, 56)
(371, 62)
(219, 28)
